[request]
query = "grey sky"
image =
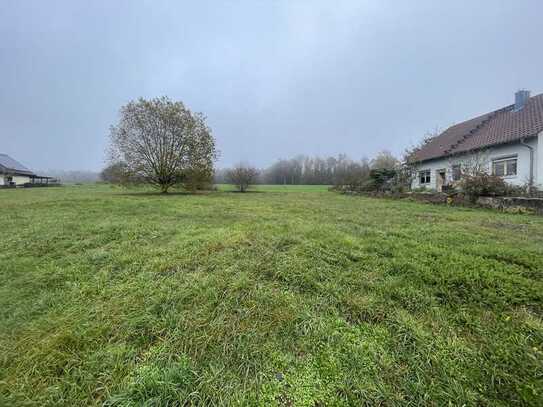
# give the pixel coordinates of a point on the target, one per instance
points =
(275, 78)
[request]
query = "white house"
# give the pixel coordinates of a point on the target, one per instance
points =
(13, 173)
(507, 142)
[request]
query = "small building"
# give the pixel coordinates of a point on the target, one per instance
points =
(507, 142)
(13, 173)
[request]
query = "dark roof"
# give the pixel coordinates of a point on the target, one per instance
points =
(8, 164)
(498, 127)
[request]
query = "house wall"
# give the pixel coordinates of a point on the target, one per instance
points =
(539, 161)
(18, 179)
(21, 179)
(484, 158)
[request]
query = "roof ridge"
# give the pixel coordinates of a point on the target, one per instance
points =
(477, 128)
(499, 126)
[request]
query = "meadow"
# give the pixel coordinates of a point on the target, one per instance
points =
(288, 296)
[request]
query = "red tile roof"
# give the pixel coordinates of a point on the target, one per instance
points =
(499, 127)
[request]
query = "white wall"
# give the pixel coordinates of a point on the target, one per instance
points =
(539, 162)
(486, 157)
(18, 179)
(21, 179)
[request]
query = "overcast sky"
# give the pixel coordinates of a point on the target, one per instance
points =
(275, 78)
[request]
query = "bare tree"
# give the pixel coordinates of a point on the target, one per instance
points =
(475, 164)
(384, 160)
(162, 142)
(242, 176)
(351, 175)
(410, 152)
(409, 163)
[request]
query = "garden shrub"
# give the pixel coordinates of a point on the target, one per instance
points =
(483, 184)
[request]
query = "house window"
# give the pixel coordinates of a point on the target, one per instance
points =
(456, 172)
(424, 177)
(504, 167)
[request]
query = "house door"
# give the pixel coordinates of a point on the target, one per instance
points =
(440, 179)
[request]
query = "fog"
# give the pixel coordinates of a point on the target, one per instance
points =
(275, 78)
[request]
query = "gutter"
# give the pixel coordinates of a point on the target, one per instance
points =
(531, 182)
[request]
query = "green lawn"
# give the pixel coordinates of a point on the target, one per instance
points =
(285, 296)
(279, 188)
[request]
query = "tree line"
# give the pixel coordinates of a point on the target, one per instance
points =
(304, 170)
(163, 143)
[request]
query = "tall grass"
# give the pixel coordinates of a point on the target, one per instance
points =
(290, 298)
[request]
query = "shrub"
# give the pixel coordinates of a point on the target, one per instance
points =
(242, 176)
(382, 179)
(351, 176)
(114, 173)
(482, 184)
(197, 178)
(526, 190)
(120, 173)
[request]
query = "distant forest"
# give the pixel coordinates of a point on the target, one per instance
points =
(304, 170)
(73, 177)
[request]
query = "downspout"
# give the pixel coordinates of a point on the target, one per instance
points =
(531, 182)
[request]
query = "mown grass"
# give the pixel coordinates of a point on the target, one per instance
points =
(277, 188)
(290, 297)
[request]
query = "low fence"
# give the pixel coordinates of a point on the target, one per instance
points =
(501, 203)
(512, 204)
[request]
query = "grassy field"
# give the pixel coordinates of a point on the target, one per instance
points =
(285, 296)
(279, 188)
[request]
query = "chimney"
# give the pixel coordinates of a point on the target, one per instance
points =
(521, 97)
